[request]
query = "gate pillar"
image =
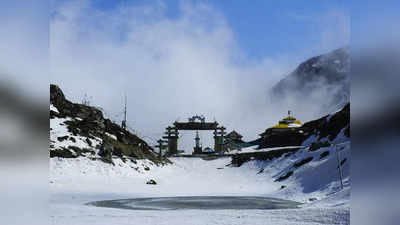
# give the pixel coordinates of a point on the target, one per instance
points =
(172, 137)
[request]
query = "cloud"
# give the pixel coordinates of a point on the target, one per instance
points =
(170, 68)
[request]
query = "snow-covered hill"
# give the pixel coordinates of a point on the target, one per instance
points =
(78, 130)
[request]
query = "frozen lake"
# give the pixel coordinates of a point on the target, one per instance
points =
(198, 202)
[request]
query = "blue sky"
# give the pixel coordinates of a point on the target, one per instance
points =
(271, 27)
(267, 27)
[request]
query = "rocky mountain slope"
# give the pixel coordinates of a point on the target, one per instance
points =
(323, 80)
(78, 130)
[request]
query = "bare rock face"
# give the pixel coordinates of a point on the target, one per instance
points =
(88, 123)
(56, 95)
(67, 108)
(329, 126)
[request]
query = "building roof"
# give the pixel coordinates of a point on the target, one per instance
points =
(287, 122)
(234, 134)
(289, 117)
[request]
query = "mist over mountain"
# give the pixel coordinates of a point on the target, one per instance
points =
(322, 81)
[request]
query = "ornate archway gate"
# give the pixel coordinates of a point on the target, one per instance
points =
(194, 123)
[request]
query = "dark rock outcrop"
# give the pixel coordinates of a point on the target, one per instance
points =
(317, 145)
(151, 182)
(303, 161)
(239, 159)
(324, 154)
(284, 177)
(89, 122)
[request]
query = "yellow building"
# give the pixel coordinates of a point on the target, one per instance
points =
(288, 123)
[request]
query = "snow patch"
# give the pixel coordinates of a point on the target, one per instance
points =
(60, 137)
(53, 108)
(111, 136)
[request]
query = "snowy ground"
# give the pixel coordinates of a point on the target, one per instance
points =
(74, 182)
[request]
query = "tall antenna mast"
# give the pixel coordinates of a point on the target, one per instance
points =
(123, 125)
(85, 100)
(125, 109)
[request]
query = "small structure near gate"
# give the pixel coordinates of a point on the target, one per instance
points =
(161, 147)
(233, 141)
(195, 123)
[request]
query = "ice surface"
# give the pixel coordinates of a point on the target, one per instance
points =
(198, 202)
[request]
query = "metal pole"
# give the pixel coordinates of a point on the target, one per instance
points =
(125, 110)
(340, 169)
